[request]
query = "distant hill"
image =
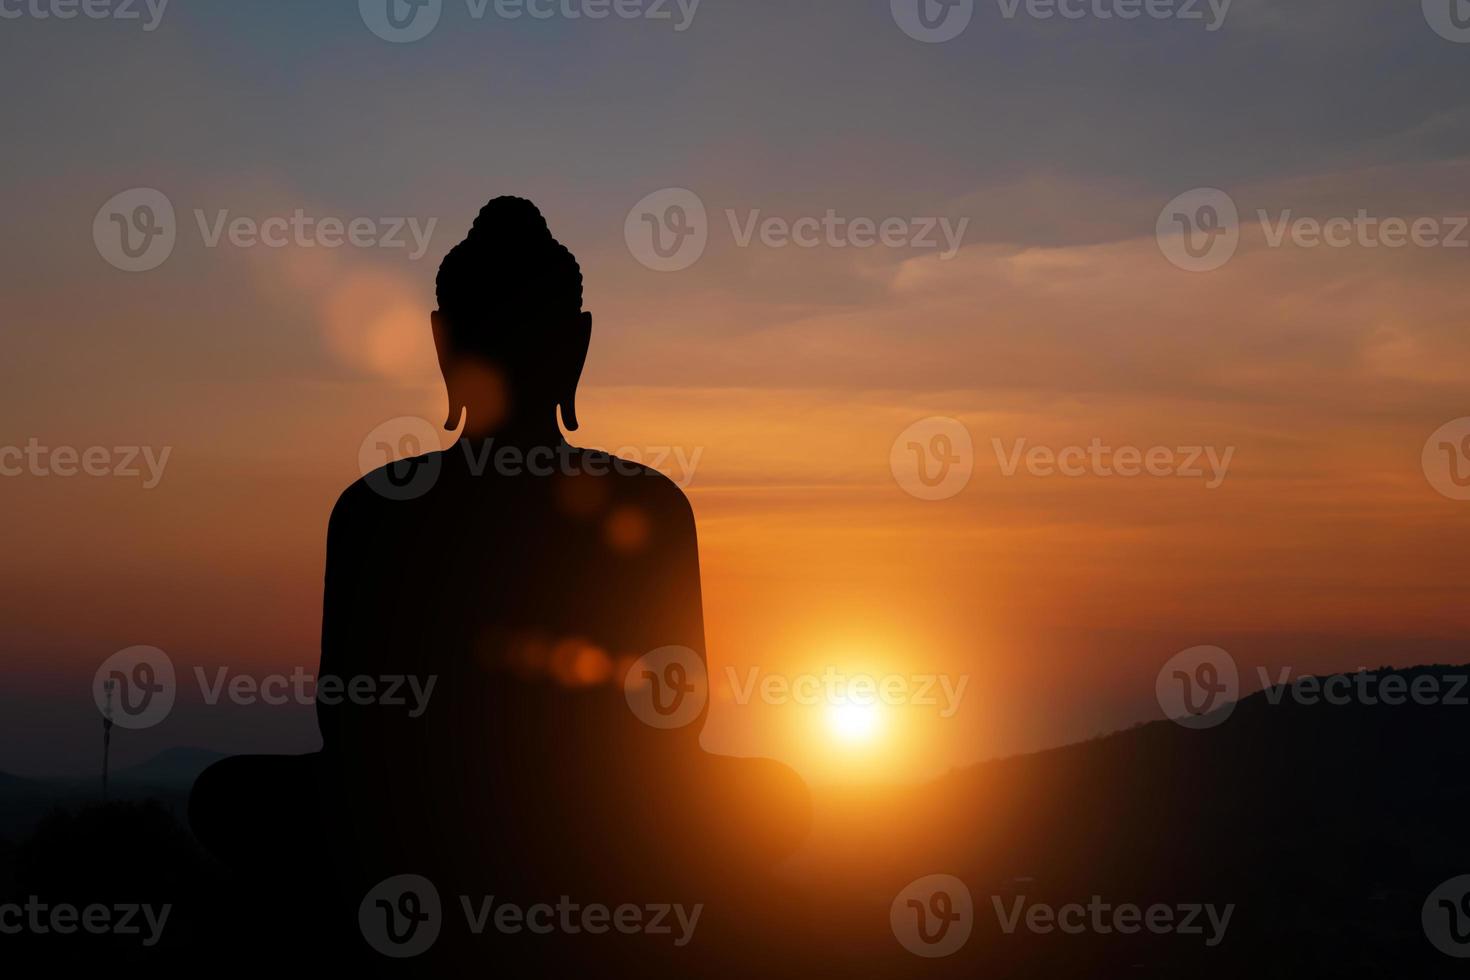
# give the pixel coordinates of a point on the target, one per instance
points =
(1326, 825)
(175, 768)
(166, 777)
(16, 784)
(24, 801)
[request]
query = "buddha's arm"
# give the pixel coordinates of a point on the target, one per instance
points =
(338, 623)
(682, 619)
(670, 609)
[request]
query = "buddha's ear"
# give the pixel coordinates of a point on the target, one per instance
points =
(444, 345)
(573, 359)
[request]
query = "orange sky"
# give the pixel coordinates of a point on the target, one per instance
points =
(787, 372)
(1056, 597)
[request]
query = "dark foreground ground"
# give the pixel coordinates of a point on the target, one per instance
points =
(1324, 831)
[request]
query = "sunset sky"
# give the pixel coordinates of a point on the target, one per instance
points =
(786, 372)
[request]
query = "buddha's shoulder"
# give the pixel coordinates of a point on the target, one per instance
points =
(630, 480)
(391, 488)
(405, 488)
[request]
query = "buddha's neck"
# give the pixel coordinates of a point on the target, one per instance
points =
(523, 433)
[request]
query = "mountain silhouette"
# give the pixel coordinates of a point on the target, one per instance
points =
(166, 777)
(1326, 826)
(175, 768)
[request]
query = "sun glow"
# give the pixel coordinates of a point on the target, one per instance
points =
(843, 710)
(853, 722)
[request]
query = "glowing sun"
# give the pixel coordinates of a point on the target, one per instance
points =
(853, 722)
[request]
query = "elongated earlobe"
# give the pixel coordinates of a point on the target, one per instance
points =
(456, 413)
(443, 346)
(579, 337)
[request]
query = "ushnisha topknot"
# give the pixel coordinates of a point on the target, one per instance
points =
(509, 271)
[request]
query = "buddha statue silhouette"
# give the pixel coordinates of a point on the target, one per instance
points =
(521, 577)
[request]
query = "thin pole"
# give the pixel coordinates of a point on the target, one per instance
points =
(106, 734)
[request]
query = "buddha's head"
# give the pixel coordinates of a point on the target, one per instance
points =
(510, 330)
